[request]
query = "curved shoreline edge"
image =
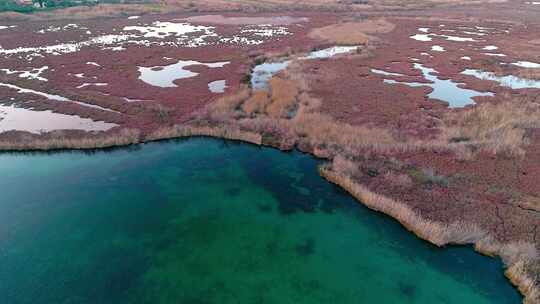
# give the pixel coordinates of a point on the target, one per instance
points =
(437, 233)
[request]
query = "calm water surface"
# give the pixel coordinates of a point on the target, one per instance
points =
(208, 221)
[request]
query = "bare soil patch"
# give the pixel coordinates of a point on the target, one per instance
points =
(352, 33)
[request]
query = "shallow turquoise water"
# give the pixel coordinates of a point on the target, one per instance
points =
(208, 221)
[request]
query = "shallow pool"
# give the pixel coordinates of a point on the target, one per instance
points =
(443, 89)
(510, 81)
(164, 76)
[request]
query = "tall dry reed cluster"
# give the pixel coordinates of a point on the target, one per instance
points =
(437, 233)
(62, 140)
(522, 259)
(286, 114)
(232, 133)
(493, 128)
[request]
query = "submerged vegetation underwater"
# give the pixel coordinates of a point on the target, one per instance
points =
(420, 110)
(169, 223)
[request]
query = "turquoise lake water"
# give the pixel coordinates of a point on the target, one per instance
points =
(210, 221)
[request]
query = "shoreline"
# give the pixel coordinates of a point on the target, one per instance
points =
(513, 272)
(436, 233)
(293, 115)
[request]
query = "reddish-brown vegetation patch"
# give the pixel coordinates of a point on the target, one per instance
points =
(456, 175)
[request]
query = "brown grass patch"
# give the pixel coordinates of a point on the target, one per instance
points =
(256, 103)
(437, 233)
(352, 33)
(225, 108)
(224, 131)
(398, 179)
(494, 128)
(56, 140)
(322, 130)
(519, 275)
(521, 258)
(528, 202)
(283, 94)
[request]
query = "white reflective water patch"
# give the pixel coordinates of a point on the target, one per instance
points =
(261, 74)
(20, 119)
(164, 76)
(423, 29)
(443, 89)
(437, 48)
(474, 33)
(456, 38)
(65, 48)
(66, 27)
(381, 72)
(330, 52)
(133, 17)
(526, 64)
(177, 34)
(495, 54)
(93, 63)
(133, 100)
(510, 81)
(4, 27)
(241, 40)
(484, 28)
(217, 86)
(115, 48)
(23, 90)
(490, 48)
(54, 97)
(465, 58)
(428, 37)
(265, 30)
(97, 84)
(34, 73)
(160, 29)
(421, 37)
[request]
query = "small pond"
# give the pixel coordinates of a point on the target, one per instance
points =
(20, 119)
(164, 76)
(510, 81)
(443, 89)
